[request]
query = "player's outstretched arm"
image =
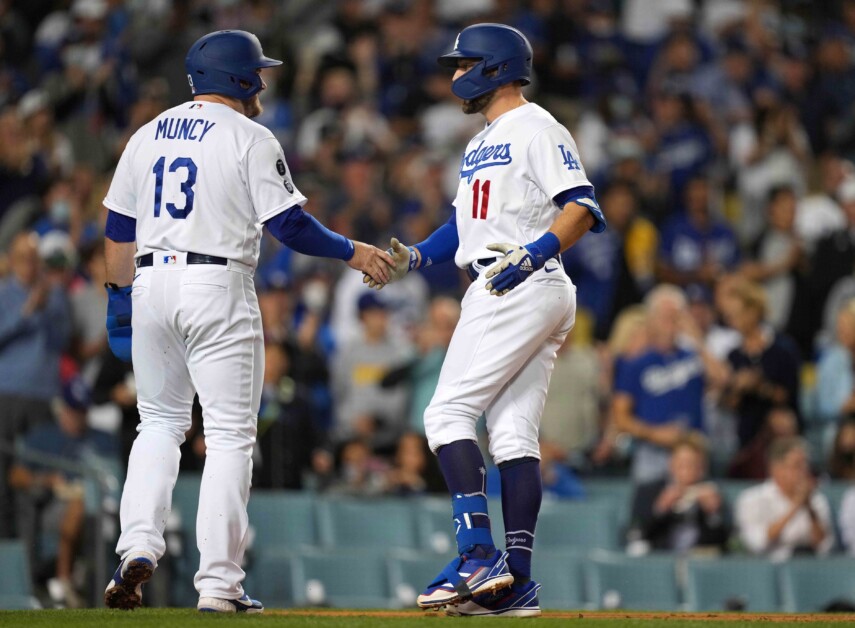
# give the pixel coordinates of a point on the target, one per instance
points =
(440, 246)
(376, 264)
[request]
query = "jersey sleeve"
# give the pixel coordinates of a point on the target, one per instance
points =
(121, 197)
(268, 179)
(555, 163)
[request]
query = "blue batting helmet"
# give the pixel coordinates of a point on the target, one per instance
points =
(218, 62)
(504, 56)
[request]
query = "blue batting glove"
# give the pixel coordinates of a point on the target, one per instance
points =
(119, 320)
(519, 262)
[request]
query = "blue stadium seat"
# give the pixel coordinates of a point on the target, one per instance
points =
(646, 583)
(562, 574)
(185, 503)
(270, 578)
(341, 579)
(281, 519)
(363, 524)
(16, 592)
(713, 584)
(410, 572)
(588, 525)
(808, 584)
(616, 490)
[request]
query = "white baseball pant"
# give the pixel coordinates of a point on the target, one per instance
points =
(195, 328)
(499, 363)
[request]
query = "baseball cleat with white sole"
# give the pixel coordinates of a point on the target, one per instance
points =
(466, 577)
(243, 604)
(511, 602)
(125, 589)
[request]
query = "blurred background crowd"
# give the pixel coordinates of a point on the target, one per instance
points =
(716, 324)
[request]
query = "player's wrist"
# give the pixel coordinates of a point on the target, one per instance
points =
(349, 250)
(545, 247)
(415, 259)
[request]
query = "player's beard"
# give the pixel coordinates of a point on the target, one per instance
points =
(252, 107)
(479, 104)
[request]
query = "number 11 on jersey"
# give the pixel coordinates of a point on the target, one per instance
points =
(480, 192)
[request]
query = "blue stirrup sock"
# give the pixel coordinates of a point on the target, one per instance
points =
(463, 467)
(522, 492)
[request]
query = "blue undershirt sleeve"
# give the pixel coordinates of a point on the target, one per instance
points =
(303, 233)
(584, 196)
(441, 245)
(120, 228)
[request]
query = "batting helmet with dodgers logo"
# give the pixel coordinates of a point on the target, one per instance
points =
(503, 54)
(220, 62)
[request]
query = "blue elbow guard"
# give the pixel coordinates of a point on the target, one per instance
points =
(119, 307)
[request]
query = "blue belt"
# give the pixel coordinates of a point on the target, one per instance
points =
(192, 258)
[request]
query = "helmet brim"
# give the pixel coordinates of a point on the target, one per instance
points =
(267, 62)
(452, 59)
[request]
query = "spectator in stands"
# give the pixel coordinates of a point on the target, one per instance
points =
(846, 521)
(414, 470)
(841, 464)
(696, 247)
(765, 367)
(23, 173)
(835, 376)
(658, 395)
(776, 254)
(34, 329)
(785, 515)
(58, 493)
(422, 374)
(50, 144)
(364, 410)
(752, 461)
(359, 470)
(613, 272)
(88, 302)
(684, 511)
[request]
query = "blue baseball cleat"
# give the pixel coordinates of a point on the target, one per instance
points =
(465, 577)
(512, 602)
(125, 589)
(243, 604)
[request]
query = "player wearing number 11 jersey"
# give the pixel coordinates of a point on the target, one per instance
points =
(522, 198)
(187, 203)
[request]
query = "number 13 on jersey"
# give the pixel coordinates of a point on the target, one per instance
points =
(186, 186)
(480, 199)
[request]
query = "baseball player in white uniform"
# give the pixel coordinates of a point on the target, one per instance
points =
(523, 197)
(186, 206)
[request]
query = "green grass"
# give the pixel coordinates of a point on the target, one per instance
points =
(167, 618)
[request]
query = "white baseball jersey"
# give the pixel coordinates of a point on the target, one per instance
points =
(202, 178)
(509, 175)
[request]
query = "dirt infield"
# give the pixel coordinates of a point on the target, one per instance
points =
(653, 616)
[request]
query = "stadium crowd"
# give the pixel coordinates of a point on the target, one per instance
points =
(716, 326)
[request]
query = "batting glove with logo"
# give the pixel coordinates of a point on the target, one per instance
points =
(519, 262)
(119, 320)
(406, 259)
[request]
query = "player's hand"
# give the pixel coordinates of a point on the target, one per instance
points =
(119, 321)
(406, 259)
(372, 261)
(509, 272)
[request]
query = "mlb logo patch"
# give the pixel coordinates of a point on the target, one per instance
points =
(170, 259)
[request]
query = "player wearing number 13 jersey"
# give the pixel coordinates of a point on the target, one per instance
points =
(522, 198)
(186, 207)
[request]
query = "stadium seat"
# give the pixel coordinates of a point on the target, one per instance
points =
(362, 524)
(15, 581)
(721, 584)
(588, 525)
(281, 519)
(341, 579)
(617, 491)
(809, 585)
(410, 572)
(270, 577)
(185, 503)
(618, 581)
(561, 572)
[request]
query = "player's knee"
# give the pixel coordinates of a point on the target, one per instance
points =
(448, 424)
